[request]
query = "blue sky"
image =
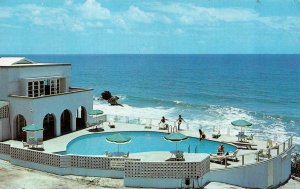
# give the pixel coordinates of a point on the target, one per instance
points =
(152, 27)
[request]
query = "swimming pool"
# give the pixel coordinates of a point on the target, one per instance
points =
(141, 141)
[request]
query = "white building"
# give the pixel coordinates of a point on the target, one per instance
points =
(40, 93)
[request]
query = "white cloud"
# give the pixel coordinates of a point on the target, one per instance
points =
(91, 9)
(40, 15)
(5, 13)
(179, 31)
(191, 14)
(68, 2)
(285, 23)
(136, 14)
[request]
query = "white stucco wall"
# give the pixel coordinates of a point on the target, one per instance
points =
(17, 86)
(35, 109)
(255, 175)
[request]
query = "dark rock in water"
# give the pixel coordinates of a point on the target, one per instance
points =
(296, 164)
(113, 100)
(106, 95)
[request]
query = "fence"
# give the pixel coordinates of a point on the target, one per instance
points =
(258, 156)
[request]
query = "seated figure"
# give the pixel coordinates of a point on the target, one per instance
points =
(220, 150)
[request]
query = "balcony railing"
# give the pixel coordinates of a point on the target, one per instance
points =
(71, 91)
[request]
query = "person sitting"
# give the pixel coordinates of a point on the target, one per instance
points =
(220, 150)
(202, 134)
(163, 121)
(179, 120)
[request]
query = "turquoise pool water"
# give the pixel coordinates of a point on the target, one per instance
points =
(141, 141)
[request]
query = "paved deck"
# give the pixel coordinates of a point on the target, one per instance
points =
(59, 144)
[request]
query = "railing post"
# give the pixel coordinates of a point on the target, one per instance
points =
(257, 157)
(278, 150)
(283, 146)
(189, 149)
(225, 161)
(138, 121)
(243, 159)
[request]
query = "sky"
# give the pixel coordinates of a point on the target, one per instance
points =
(150, 27)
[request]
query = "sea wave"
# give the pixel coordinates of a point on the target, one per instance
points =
(212, 117)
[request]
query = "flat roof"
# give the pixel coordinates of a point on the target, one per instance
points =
(24, 62)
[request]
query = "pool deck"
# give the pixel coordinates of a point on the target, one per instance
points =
(59, 144)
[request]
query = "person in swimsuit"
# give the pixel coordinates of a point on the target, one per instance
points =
(179, 120)
(163, 121)
(220, 150)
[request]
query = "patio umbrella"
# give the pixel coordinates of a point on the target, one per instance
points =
(176, 137)
(118, 138)
(95, 112)
(32, 127)
(241, 123)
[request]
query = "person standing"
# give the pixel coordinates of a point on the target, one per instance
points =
(179, 120)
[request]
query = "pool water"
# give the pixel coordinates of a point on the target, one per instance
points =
(141, 141)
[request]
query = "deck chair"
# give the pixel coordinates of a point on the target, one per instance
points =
(219, 159)
(263, 155)
(25, 144)
(179, 157)
(216, 134)
(126, 155)
(269, 143)
(232, 157)
(111, 125)
(40, 143)
(250, 138)
(108, 154)
(32, 142)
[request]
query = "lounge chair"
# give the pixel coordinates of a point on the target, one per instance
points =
(216, 134)
(219, 159)
(245, 146)
(232, 157)
(40, 143)
(262, 155)
(32, 142)
(179, 157)
(126, 155)
(25, 144)
(111, 125)
(270, 144)
(250, 138)
(108, 154)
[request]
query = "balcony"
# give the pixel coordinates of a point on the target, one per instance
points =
(72, 90)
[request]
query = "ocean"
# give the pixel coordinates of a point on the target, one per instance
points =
(207, 90)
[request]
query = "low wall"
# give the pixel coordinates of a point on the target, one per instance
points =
(164, 174)
(65, 164)
(265, 174)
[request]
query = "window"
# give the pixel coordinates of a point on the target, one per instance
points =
(4, 112)
(43, 87)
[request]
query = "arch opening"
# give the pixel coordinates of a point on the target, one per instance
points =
(49, 124)
(81, 118)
